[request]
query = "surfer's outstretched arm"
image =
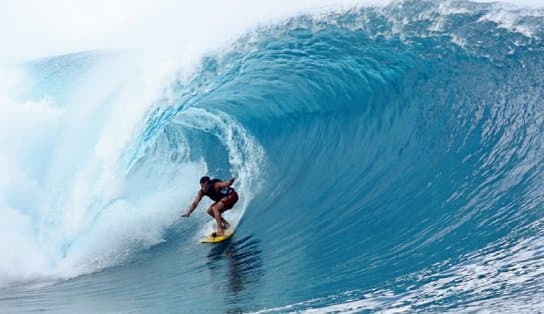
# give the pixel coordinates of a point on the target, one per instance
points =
(198, 197)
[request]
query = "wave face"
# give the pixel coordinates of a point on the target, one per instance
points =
(387, 159)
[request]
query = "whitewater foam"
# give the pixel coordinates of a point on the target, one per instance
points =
(60, 173)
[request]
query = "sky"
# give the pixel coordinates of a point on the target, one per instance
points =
(32, 29)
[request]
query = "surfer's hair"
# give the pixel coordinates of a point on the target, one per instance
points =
(204, 179)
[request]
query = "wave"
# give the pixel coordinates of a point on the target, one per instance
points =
(391, 154)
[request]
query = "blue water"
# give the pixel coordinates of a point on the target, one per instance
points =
(386, 158)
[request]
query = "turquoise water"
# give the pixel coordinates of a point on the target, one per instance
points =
(386, 159)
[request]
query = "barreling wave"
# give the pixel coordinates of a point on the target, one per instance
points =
(387, 157)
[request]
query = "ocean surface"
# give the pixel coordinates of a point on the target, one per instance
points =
(387, 158)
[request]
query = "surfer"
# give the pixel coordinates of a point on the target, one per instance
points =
(224, 196)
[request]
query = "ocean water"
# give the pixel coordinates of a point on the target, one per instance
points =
(388, 159)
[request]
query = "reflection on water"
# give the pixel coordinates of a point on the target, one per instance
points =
(241, 261)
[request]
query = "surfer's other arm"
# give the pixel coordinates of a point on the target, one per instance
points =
(220, 185)
(198, 197)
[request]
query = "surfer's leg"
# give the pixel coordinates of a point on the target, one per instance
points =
(210, 210)
(216, 209)
(228, 202)
(225, 223)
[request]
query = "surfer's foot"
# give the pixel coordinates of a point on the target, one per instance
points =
(217, 234)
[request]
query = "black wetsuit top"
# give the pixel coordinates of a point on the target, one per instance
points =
(215, 195)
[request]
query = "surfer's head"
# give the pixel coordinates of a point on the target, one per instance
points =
(204, 183)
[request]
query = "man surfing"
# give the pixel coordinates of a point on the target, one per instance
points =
(224, 196)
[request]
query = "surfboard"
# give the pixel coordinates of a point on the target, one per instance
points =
(211, 239)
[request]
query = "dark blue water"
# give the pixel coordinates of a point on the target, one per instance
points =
(386, 158)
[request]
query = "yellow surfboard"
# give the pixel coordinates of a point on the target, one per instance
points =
(211, 239)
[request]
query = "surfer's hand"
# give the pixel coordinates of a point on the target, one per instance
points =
(185, 215)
